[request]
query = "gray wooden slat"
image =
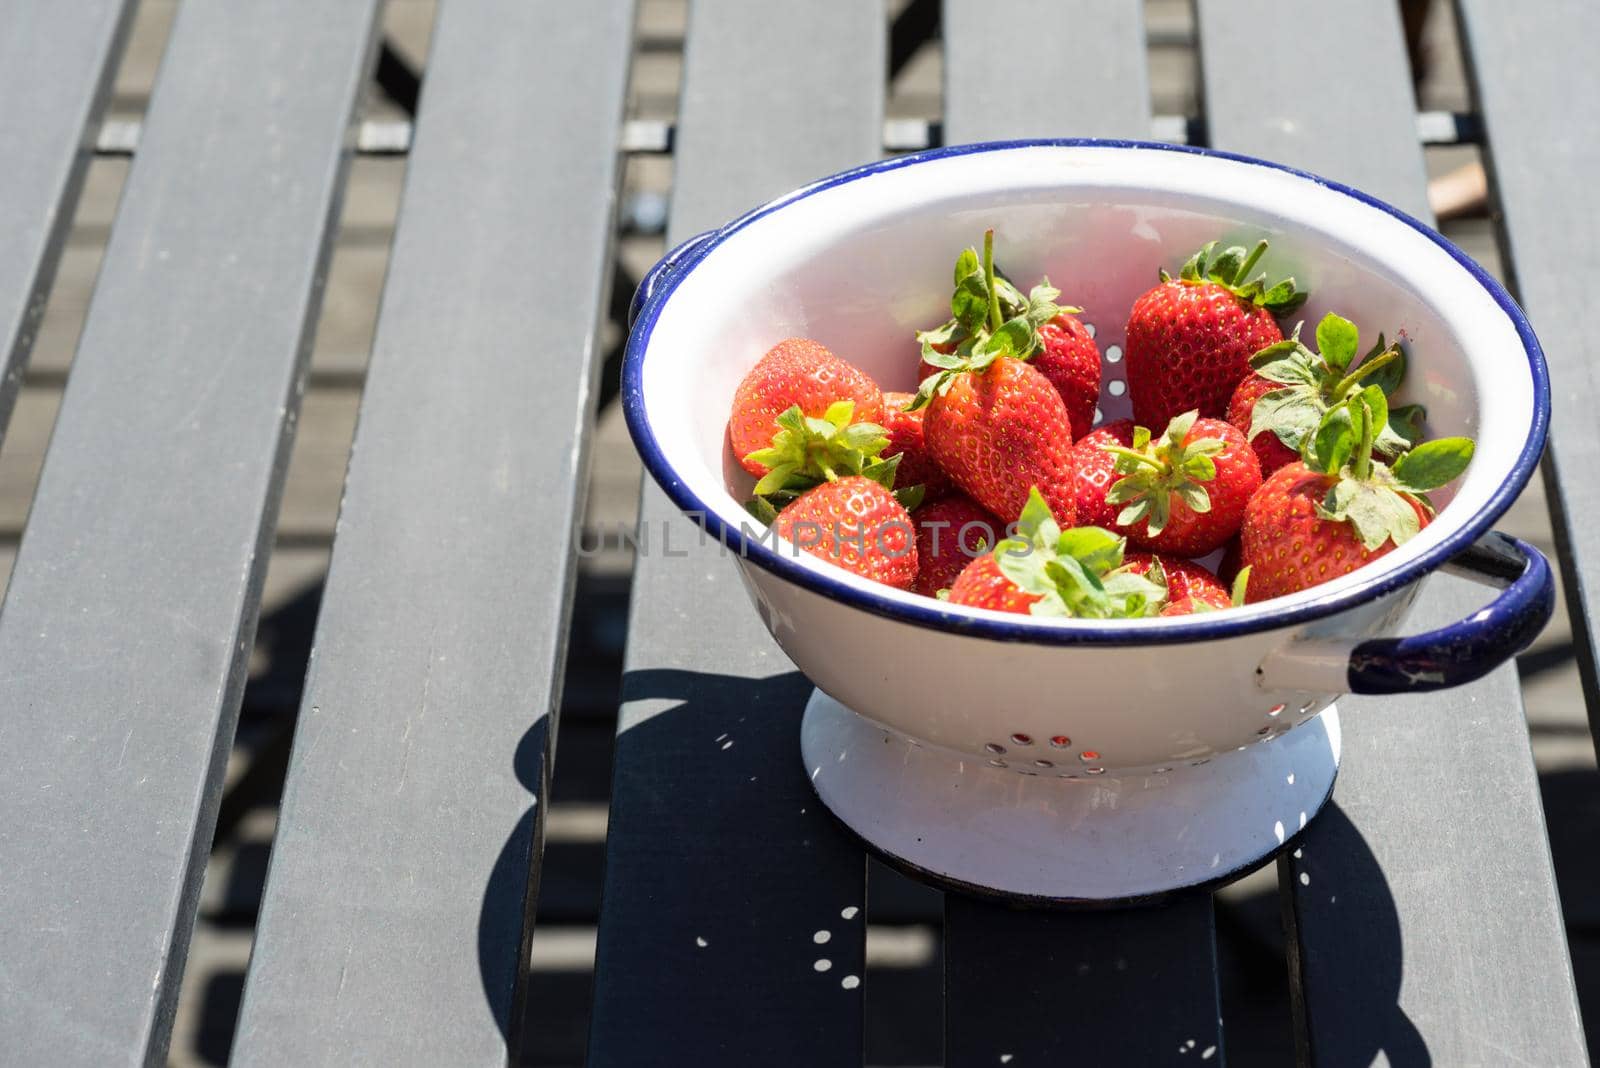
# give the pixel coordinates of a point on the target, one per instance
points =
(1539, 91)
(1035, 987)
(1303, 106)
(399, 899)
(1045, 68)
(1432, 862)
(1081, 988)
(125, 632)
(721, 864)
(56, 67)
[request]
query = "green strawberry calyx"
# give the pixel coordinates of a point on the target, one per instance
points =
(808, 451)
(1378, 500)
(1231, 269)
(1312, 382)
(989, 318)
(1156, 470)
(1076, 573)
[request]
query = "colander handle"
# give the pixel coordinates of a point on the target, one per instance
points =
(1452, 655)
(664, 268)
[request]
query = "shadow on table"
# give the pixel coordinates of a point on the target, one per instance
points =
(1354, 967)
(711, 813)
(1366, 971)
(505, 919)
(903, 1009)
(697, 714)
(1572, 816)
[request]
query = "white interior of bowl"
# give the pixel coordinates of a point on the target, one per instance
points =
(862, 265)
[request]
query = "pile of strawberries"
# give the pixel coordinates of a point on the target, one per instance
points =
(991, 487)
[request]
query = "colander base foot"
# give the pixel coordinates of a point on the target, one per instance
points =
(1095, 840)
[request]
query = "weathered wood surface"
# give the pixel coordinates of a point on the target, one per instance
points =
(56, 66)
(1431, 863)
(405, 869)
(1131, 987)
(1539, 92)
(722, 867)
(126, 628)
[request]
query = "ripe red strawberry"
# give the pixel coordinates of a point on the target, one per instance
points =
(1190, 339)
(951, 533)
(1061, 347)
(1043, 570)
(1001, 431)
(1191, 589)
(905, 440)
(1183, 494)
(983, 585)
(1198, 603)
(1272, 452)
(995, 424)
(1320, 519)
(1291, 388)
(809, 450)
(837, 494)
(795, 372)
(857, 524)
(1185, 578)
(1070, 359)
(1290, 547)
(1094, 469)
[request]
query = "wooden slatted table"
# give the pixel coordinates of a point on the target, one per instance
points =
(757, 116)
(1420, 912)
(1396, 815)
(430, 709)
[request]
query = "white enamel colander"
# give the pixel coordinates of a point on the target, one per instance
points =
(1075, 760)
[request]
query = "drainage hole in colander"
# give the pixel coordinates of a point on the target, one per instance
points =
(1043, 764)
(1061, 741)
(1113, 354)
(1277, 710)
(1117, 387)
(1088, 756)
(994, 747)
(1094, 771)
(1021, 739)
